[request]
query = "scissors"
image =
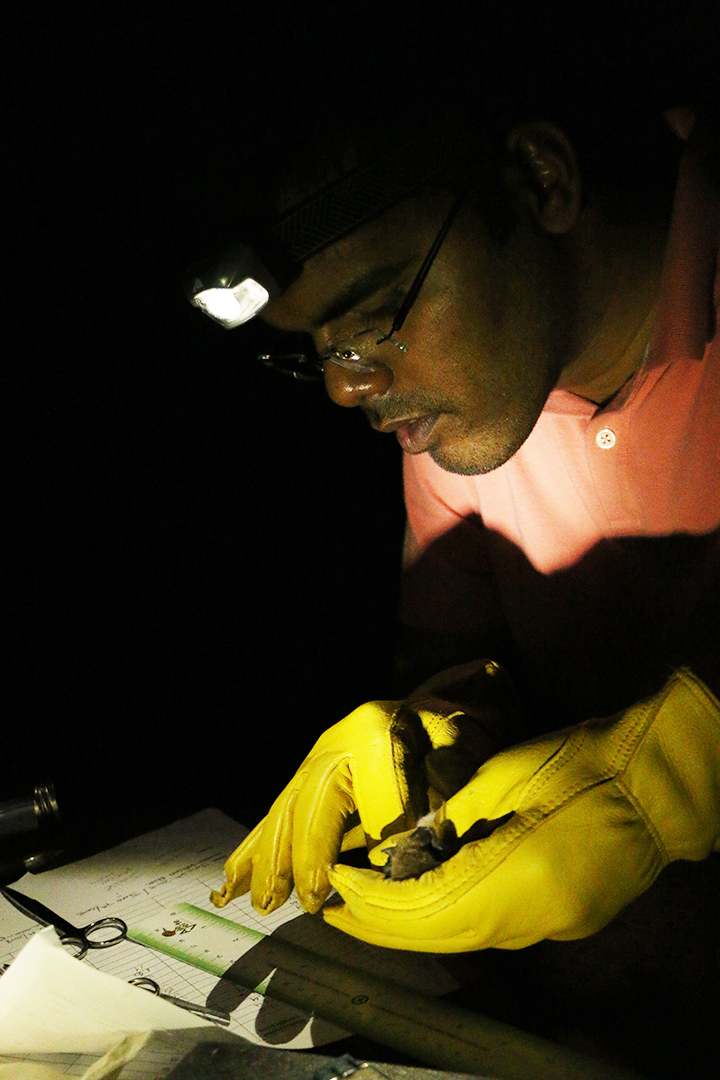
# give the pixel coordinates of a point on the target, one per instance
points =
(218, 1016)
(101, 934)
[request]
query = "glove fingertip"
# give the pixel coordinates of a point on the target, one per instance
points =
(352, 879)
(337, 876)
(265, 905)
(313, 890)
(232, 888)
(312, 903)
(379, 856)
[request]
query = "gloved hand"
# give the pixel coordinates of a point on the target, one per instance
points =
(387, 763)
(597, 811)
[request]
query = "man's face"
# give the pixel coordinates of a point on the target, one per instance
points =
(486, 339)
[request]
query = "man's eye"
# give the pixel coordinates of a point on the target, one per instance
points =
(388, 309)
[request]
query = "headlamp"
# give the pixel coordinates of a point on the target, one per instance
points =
(247, 278)
(235, 289)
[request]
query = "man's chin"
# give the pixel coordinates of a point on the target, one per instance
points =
(468, 456)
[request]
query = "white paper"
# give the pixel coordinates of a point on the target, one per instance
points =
(29, 1070)
(183, 862)
(51, 1003)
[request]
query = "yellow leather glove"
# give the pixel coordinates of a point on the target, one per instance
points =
(597, 811)
(386, 763)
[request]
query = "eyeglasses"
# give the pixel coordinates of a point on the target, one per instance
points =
(357, 353)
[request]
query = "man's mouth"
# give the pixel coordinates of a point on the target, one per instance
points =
(413, 434)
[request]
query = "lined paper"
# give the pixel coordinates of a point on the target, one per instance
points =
(183, 863)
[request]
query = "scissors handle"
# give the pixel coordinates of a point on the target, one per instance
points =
(145, 983)
(81, 939)
(97, 940)
(75, 945)
(218, 1016)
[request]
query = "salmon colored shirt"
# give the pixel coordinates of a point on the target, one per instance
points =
(598, 541)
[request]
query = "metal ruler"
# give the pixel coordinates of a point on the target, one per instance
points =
(426, 1029)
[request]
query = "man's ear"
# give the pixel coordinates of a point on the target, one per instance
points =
(544, 174)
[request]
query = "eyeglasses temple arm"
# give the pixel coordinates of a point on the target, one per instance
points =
(424, 270)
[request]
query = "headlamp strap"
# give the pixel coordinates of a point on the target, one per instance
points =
(347, 203)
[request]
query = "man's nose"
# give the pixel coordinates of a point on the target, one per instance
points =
(352, 388)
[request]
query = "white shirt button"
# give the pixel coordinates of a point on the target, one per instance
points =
(605, 438)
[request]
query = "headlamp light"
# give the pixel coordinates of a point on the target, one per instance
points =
(233, 307)
(235, 289)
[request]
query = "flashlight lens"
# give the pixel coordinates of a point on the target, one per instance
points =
(232, 307)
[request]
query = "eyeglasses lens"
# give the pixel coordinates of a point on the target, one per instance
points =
(297, 365)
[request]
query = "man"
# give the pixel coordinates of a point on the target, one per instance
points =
(535, 323)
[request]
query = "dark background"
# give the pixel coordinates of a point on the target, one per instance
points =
(204, 555)
(202, 559)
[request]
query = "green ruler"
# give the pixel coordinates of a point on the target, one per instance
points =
(196, 937)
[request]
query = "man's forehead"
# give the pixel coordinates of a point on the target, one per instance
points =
(392, 232)
(347, 192)
(361, 263)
